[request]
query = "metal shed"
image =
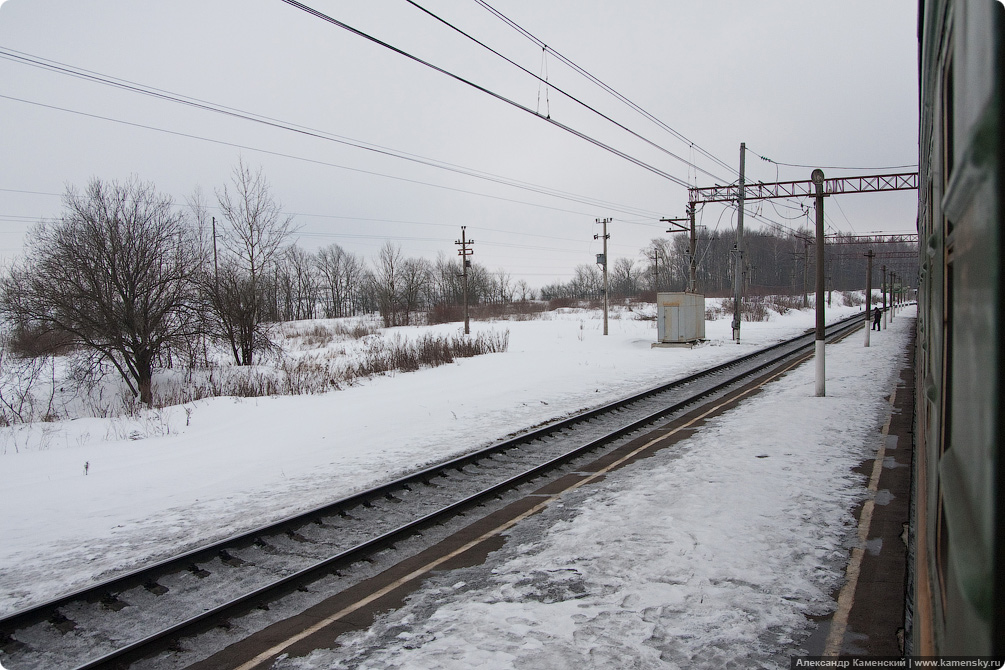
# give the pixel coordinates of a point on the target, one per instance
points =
(680, 318)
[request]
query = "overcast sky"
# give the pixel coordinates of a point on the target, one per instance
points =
(806, 82)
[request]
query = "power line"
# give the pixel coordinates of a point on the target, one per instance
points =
(439, 225)
(25, 219)
(302, 158)
(604, 86)
(124, 84)
(834, 167)
(577, 133)
(560, 90)
(17, 190)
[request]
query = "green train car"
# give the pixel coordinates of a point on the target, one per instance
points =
(958, 525)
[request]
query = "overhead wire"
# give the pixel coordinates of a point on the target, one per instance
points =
(513, 24)
(96, 77)
(323, 234)
(294, 157)
(498, 96)
(851, 226)
(834, 167)
(560, 90)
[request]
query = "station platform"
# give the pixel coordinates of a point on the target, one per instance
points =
(870, 616)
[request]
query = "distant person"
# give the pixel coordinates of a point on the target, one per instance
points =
(876, 316)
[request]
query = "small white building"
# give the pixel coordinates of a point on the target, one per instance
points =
(680, 318)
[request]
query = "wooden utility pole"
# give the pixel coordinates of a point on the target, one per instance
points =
(605, 237)
(738, 278)
(464, 252)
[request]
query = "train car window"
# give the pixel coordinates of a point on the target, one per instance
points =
(948, 124)
(945, 415)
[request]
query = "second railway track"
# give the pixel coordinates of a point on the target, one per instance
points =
(137, 615)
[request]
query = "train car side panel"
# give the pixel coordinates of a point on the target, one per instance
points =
(959, 421)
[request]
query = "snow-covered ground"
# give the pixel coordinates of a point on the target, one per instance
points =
(170, 480)
(708, 555)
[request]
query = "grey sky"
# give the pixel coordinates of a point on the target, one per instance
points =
(808, 82)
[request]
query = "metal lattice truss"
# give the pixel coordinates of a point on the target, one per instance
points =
(905, 181)
(906, 238)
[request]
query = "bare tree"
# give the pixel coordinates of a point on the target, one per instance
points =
(446, 281)
(504, 287)
(414, 288)
(524, 291)
(255, 233)
(116, 273)
(294, 286)
(659, 256)
(235, 307)
(341, 279)
(387, 283)
(624, 278)
(588, 283)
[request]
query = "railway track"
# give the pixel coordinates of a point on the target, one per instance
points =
(142, 613)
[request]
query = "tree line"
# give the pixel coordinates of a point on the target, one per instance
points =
(774, 263)
(125, 276)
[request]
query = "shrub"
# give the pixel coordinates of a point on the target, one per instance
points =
(30, 342)
(427, 351)
(853, 298)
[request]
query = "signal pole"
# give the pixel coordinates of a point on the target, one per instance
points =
(464, 252)
(738, 277)
(605, 237)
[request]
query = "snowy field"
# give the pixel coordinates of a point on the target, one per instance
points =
(170, 480)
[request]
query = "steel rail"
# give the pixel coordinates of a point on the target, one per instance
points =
(141, 647)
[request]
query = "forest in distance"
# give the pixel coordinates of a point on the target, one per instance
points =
(126, 274)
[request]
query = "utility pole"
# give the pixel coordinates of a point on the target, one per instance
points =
(216, 265)
(464, 252)
(818, 181)
(692, 251)
(792, 274)
(806, 269)
(738, 278)
(893, 295)
(806, 273)
(656, 268)
(868, 296)
(830, 284)
(605, 237)
(884, 296)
